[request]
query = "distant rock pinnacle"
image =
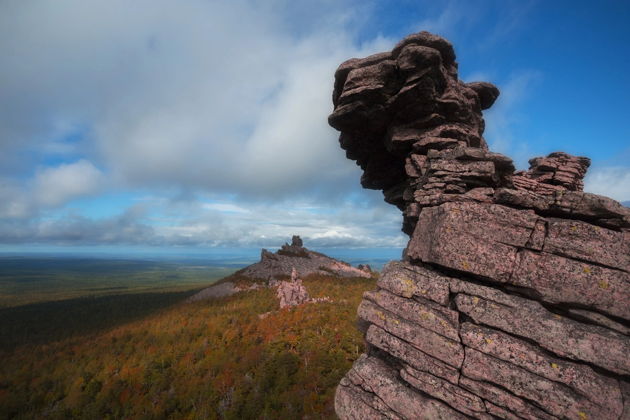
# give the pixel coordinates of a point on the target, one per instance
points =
(293, 261)
(304, 261)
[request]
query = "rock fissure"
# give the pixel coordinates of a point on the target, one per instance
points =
(563, 385)
(513, 296)
(530, 402)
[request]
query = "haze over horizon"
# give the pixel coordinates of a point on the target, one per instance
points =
(167, 125)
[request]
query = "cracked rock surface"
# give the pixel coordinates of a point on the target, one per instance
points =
(513, 297)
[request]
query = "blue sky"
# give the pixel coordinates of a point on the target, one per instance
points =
(160, 124)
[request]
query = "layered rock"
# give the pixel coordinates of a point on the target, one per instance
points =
(513, 299)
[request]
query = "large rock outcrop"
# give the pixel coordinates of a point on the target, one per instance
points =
(513, 297)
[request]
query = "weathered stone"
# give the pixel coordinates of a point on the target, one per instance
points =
(456, 397)
(429, 342)
(435, 241)
(601, 390)
(291, 260)
(292, 293)
(584, 241)
(599, 319)
(558, 170)
(296, 241)
(304, 261)
(625, 391)
(373, 375)
(487, 92)
(411, 57)
(500, 412)
(427, 314)
(554, 398)
(428, 40)
(344, 69)
(491, 223)
(412, 356)
(563, 280)
(563, 336)
(408, 280)
(353, 403)
(523, 199)
(503, 398)
(591, 207)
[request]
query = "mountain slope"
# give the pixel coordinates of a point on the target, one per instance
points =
(208, 359)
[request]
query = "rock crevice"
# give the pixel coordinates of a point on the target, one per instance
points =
(513, 297)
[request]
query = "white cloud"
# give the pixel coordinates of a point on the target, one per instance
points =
(613, 182)
(222, 96)
(57, 185)
(225, 207)
(198, 223)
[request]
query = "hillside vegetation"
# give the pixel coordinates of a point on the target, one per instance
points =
(209, 359)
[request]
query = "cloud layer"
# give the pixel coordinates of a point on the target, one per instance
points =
(226, 99)
(204, 122)
(215, 95)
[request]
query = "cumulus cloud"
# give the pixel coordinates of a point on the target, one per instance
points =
(613, 182)
(222, 98)
(213, 95)
(57, 185)
(222, 104)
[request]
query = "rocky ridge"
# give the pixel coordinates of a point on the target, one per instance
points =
(304, 261)
(292, 261)
(513, 297)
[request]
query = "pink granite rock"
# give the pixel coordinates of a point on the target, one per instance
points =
(503, 398)
(292, 293)
(558, 171)
(552, 397)
(454, 396)
(410, 280)
(601, 390)
(427, 341)
(433, 242)
(564, 280)
(373, 376)
(587, 242)
(513, 300)
(404, 351)
(427, 314)
(563, 336)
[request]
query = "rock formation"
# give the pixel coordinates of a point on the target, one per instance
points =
(293, 292)
(304, 261)
(289, 261)
(513, 298)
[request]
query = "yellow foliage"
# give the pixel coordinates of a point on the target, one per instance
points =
(210, 359)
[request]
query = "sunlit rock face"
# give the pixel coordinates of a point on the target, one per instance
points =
(513, 298)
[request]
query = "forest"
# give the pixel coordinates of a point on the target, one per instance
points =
(160, 357)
